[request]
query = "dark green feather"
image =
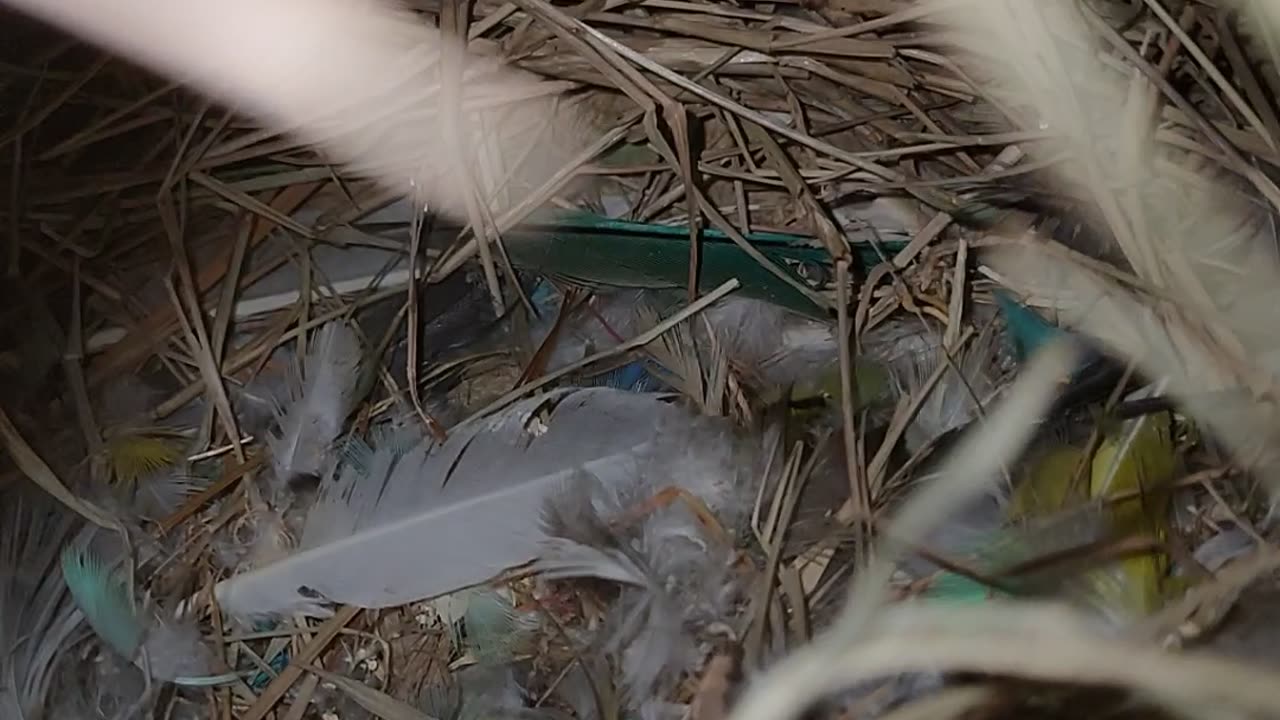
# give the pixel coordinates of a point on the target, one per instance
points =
(591, 250)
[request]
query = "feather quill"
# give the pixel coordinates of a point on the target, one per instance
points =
(394, 534)
(313, 422)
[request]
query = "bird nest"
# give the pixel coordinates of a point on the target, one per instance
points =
(834, 358)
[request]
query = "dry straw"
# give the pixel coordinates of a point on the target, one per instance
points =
(1192, 313)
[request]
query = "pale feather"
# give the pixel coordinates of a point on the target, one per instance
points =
(396, 534)
(314, 420)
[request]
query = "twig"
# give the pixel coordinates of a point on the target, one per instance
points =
(637, 342)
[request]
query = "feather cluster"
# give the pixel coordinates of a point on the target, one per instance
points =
(169, 648)
(54, 583)
(679, 586)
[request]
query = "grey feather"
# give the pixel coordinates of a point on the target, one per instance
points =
(38, 620)
(1225, 546)
(913, 351)
(479, 692)
(162, 493)
(314, 420)
(776, 344)
(442, 517)
(678, 586)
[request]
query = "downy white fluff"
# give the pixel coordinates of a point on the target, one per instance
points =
(679, 588)
(315, 418)
(777, 345)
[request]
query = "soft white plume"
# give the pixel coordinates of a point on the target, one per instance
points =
(366, 80)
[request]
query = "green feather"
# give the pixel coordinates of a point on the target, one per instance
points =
(103, 597)
(592, 250)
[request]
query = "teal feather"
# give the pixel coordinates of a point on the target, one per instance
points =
(999, 549)
(103, 598)
(591, 250)
(1028, 332)
(957, 589)
(491, 626)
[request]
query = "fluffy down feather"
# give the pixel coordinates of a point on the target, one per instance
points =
(778, 345)
(679, 587)
(315, 418)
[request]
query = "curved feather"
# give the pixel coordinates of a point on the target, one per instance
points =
(103, 597)
(393, 535)
(315, 419)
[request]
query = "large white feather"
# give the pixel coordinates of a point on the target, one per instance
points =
(315, 419)
(363, 79)
(442, 517)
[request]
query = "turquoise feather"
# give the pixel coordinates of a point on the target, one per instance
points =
(591, 250)
(1028, 332)
(491, 626)
(103, 598)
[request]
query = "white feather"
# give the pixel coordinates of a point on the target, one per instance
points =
(442, 517)
(315, 419)
(315, 68)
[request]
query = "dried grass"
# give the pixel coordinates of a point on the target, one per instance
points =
(156, 206)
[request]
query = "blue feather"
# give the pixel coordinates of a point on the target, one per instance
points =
(632, 377)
